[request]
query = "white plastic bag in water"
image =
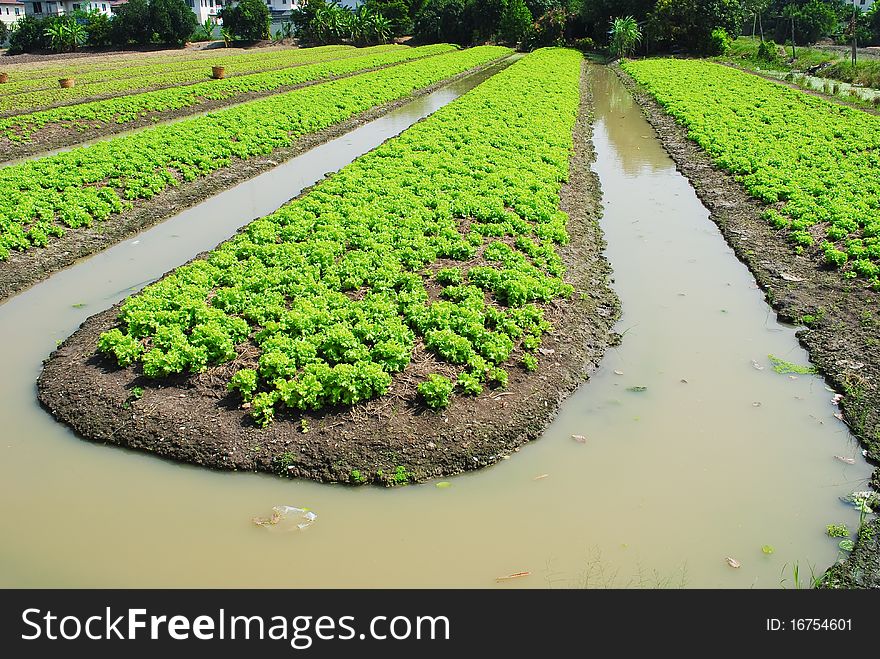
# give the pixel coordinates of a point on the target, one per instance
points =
(287, 518)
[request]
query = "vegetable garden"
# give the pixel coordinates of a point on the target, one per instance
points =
(127, 109)
(444, 236)
(46, 197)
(813, 163)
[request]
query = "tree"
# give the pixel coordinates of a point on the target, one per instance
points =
(443, 20)
(812, 21)
(624, 36)
(28, 34)
(97, 27)
(172, 20)
(4, 32)
(248, 20)
(132, 24)
(688, 24)
(396, 12)
(516, 21)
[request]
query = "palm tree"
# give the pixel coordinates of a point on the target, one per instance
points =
(625, 34)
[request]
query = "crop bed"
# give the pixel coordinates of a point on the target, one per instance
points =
(84, 118)
(812, 163)
(25, 93)
(46, 198)
(424, 275)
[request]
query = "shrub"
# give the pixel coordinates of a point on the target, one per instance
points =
(719, 42)
(131, 24)
(248, 20)
(172, 21)
(768, 51)
(28, 35)
(516, 21)
(585, 45)
(436, 391)
(97, 26)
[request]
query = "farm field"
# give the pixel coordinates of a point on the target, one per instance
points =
(50, 198)
(400, 266)
(813, 163)
(24, 92)
(325, 303)
(75, 123)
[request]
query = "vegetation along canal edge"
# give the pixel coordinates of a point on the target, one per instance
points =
(842, 338)
(385, 441)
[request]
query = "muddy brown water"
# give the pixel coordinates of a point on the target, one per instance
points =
(669, 482)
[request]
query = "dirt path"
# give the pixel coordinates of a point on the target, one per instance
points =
(843, 316)
(192, 419)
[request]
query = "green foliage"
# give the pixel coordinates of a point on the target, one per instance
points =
(449, 276)
(29, 34)
(813, 162)
(719, 42)
(131, 24)
(624, 36)
(436, 391)
(247, 20)
(401, 476)
(812, 21)
(357, 477)
(172, 21)
(98, 26)
(530, 362)
(245, 382)
(76, 188)
(768, 52)
(495, 158)
(783, 367)
(549, 29)
(688, 24)
(469, 384)
(443, 20)
(516, 21)
(837, 531)
(31, 94)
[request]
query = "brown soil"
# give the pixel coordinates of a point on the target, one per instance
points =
(23, 269)
(843, 340)
(194, 420)
(59, 135)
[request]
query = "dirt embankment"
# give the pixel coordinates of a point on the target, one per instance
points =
(23, 269)
(842, 317)
(389, 440)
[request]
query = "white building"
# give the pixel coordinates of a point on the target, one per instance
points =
(864, 5)
(44, 8)
(11, 11)
(203, 9)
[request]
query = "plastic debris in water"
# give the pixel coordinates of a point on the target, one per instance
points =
(579, 438)
(287, 518)
(515, 575)
(732, 562)
(848, 461)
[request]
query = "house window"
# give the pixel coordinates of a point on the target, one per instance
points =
(75, 6)
(38, 7)
(16, 11)
(103, 6)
